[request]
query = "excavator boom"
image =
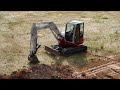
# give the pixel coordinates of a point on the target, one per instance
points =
(38, 26)
(33, 42)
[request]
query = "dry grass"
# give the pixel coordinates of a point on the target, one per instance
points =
(101, 35)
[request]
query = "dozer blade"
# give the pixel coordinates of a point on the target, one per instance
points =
(52, 51)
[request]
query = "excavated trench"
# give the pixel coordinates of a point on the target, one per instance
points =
(110, 70)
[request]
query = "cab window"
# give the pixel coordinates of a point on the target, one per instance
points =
(81, 29)
(69, 32)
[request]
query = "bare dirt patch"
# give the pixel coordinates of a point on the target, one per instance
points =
(109, 70)
(42, 71)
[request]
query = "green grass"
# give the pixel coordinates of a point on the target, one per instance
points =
(109, 43)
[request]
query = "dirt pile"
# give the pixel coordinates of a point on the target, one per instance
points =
(42, 71)
(109, 70)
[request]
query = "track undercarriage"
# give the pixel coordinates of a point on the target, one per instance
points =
(56, 50)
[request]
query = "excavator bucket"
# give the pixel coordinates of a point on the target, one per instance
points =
(33, 59)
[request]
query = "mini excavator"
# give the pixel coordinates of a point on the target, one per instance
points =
(69, 42)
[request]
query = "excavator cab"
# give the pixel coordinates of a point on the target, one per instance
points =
(74, 32)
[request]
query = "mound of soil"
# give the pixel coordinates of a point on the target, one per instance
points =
(56, 71)
(42, 71)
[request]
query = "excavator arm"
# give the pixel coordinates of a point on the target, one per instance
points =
(33, 42)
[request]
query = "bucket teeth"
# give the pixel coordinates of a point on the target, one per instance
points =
(33, 59)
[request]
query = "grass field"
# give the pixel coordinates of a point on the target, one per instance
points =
(102, 36)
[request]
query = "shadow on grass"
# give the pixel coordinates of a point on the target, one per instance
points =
(76, 60)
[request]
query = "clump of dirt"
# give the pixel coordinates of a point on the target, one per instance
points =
(42, 71)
